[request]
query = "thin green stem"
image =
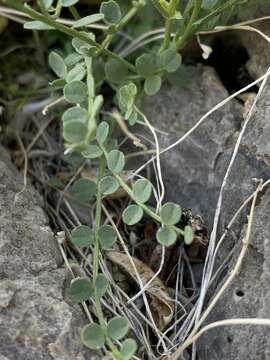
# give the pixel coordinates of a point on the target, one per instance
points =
(74, 12)
(167, 36)
(129, 191)
(90, 81)
(216, 12)
(67, 30)
(116, 354)
(162, 7)
(180, 39)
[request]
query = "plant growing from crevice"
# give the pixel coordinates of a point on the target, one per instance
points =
(80, 77)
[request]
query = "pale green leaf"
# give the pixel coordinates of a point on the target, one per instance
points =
(57, 64)
(116, 161)
(74, 131)
(101, 285)
(82, 236)
(128, 349)
(142, 190)
(166, 236)
(67, 3)
(152, 85)
(92, 336)
(107, 236)
(76, 74)
(75, 92)
(115, 71)
(90, 19)
(83, 190)
(170, 213)
(92, 152)
(111, 11)
(37, 25)
(108, 185)
(75, 113)
(145, 65)
(188, 235)
(117, 328)
(132, 214)
(80, 290)
(102, 132)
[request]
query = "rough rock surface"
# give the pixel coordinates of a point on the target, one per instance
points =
(36, 322)
(190, 168)
(194, 171)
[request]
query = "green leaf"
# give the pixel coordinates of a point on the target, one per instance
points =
(92, 336)
(132, 119)
(128, 349)
(74, 131)
(58, 83)
(75, 92)
(58, 64)
(115, 71)
(81, 46)
(166, 236)
(170, 213)
(117, 328)
(47, 3)
(152, 85)
(73, 58)
(83, 190)
(37, 25)
(108, 185)
(92, 152)
(132, 214)
(116, 161)
(101, 285)
(67, 3)
(88, 20)
(75, 113)
(127, 96)
(142, 190)
(76, 74)
(111, 11)
(80, 290)
(145, 65)
(82, 236)
(188, 235)
(170, 60)
(107, 236)
(209, 4)
(102, 132)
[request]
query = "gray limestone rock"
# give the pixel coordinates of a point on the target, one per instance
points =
(36, 321)
(193, 173)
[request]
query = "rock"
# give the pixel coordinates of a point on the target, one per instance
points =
(258, 49)
(193, 173)
(248, 296)
(189, 169)
(36, 321)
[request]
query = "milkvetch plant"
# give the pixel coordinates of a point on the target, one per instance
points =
(80, 76)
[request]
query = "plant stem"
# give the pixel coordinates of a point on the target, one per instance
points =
(69, 31)
(216, 12)
(161, 6)
(146, 209)
(168, 24)
(181, 39)
(116, 354)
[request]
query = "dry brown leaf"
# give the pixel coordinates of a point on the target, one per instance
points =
(161, 305)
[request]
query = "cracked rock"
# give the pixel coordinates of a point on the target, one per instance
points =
(36, 321)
